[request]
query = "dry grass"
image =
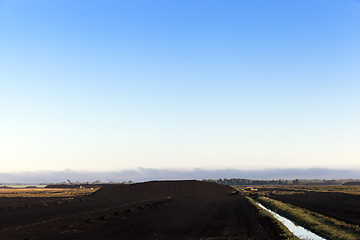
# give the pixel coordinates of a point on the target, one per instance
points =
(327, 227)
(286, 232)
(312, 188)
(45, 192)
(331, 188)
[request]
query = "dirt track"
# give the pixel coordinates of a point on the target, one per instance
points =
(208, 216)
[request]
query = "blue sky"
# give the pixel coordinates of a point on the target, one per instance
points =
(111, 85)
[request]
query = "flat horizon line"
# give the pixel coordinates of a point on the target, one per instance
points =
(148, 174)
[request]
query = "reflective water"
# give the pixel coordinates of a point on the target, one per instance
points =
(297, 230)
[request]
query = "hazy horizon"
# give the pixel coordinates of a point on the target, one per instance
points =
(103, 86)
(148, 174)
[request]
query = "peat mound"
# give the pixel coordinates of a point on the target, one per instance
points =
(163, 189)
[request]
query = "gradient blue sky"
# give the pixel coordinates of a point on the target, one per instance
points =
(111, 85)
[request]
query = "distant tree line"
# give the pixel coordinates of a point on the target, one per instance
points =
(243, 181)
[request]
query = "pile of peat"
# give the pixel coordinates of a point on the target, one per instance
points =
(163, 189)
(152, 210)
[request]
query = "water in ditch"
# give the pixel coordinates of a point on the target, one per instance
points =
(297, 230)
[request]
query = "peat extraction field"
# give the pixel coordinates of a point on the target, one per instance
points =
(342, 206)
(152, 210)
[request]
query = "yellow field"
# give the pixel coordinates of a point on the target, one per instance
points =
(289, 189)
(330, 188)
(45, 192)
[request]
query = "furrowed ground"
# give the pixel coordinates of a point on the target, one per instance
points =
(339, 202)
(341, 206)
(329, 211)
(153, 210)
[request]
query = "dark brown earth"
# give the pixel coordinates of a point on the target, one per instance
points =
(153, 210)
(341, 206)
(164, 189)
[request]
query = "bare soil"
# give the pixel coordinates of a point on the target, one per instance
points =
(154, 210)
(164, 188)
(341, 206)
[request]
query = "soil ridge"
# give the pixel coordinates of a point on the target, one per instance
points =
(164, 189)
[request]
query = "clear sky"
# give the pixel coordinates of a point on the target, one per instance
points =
(111, 85)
